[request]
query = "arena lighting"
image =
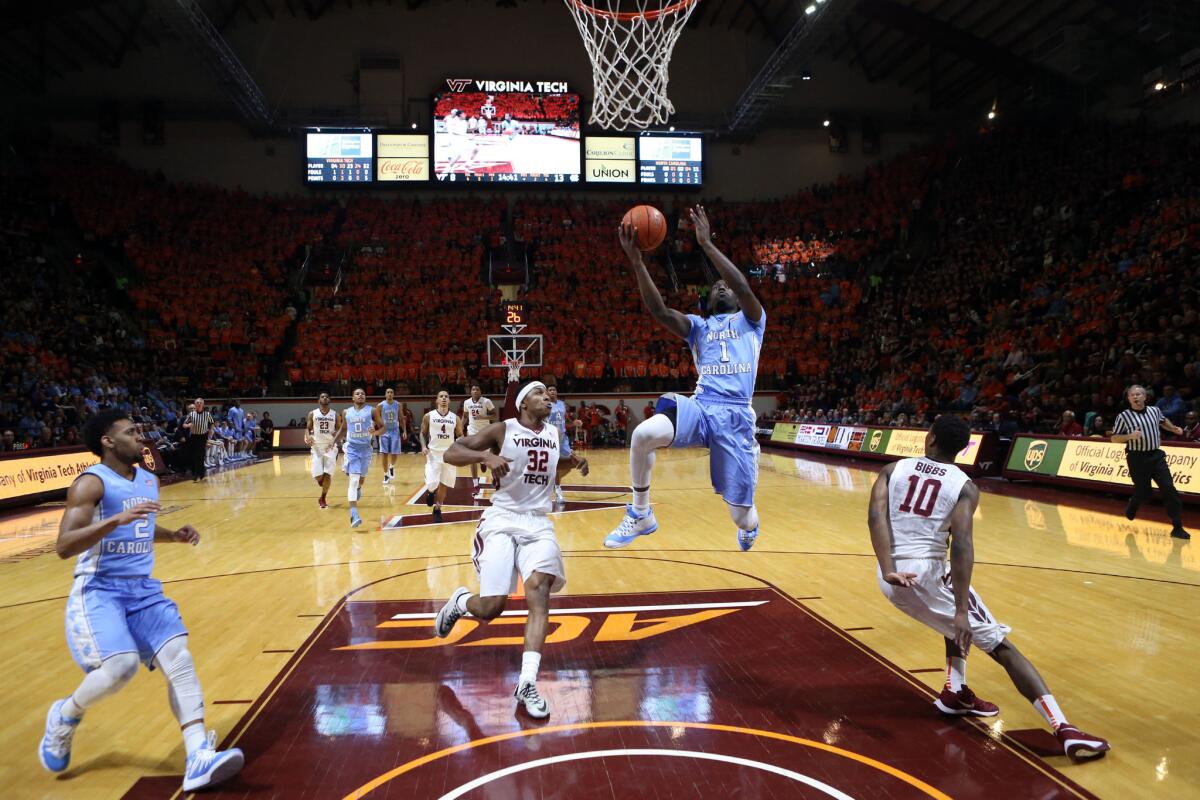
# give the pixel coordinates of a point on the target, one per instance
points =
(991, 115)
(671, 129)
(414, 126)
(806, 75)
(825, 123)
(1159, 86)
(810, 10)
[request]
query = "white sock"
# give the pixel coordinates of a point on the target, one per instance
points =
(530, 661)
(650, 435)
(194, 738)
(1048, 708)
(352, 488)
(462, 602)
(956, 673)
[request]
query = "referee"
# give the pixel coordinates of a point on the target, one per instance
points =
(1138, 428)
(199, 424)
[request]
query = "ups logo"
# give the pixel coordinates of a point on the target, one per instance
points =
(876, 439)
(618, 624)
(1036, 454)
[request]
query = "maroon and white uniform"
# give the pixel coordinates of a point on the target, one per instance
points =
(515, 534)
(922, 494)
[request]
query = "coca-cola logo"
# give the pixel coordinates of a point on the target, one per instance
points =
(403, 169)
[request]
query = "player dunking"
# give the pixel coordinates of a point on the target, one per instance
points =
(515, 533)
(324, 428)
(390, 441)
(360, 422)
(439, 428)
(725, 347)
(558, 418)
(117, 614)
(917, 504)
(479, 412)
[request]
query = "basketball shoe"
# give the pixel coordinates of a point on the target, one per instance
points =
(355, 519)
(55, 751)
(449, 614)
(208, 766)
(1080, 746)
(746, 539)
(964, 703)
(321, 503)
(632, 526)
(535, 705)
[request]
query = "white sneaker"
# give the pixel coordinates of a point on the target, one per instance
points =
(632, 526)
(535, 705)
(449, 614)
(55, 749)
(558, 495)
(208, 766)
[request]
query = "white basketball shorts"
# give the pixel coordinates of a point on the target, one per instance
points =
(324, 459)
(438, 471)
(931, 601)
(508, 543)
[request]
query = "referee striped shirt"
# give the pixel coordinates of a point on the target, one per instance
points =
(1147, 422)
(201, 422)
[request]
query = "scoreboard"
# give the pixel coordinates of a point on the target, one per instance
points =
(671, 160)
(339, 157)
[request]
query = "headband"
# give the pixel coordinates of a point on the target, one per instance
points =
(529, 387)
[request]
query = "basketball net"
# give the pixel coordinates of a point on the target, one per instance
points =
(630, 53)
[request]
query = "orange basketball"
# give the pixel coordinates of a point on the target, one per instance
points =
(651, 226)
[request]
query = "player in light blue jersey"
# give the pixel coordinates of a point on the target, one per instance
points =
(360, 422)
(558, 418)
(117, 614)
(725, 346)
(391, 413)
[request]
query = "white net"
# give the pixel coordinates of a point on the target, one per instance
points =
(630, 53)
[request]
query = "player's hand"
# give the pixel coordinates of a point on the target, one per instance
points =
(628, 236)
(499, 465)
(580, 464)
(424, 450)
(138, 513)
(700, 222)
(901, 578)
(308, 440)
(188, 535)
(962, 632)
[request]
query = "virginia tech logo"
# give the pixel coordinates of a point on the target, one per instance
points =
(1036, 454)
(876, 440)
(148, 458)
(458, 84)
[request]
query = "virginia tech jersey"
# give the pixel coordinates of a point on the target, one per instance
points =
(441, 430)
(323, 427)
(529, 485)
(477, 413)
(921, 495)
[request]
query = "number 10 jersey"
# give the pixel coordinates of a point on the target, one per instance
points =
(921, 495)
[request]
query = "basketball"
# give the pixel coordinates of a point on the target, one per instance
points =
(651, 226)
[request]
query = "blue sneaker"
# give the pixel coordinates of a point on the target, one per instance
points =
(355, 519)
(632, 526)
(208, 766)
(55, 751)
(746, 539)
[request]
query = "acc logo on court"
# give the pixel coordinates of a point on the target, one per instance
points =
(876, 438)
(458, 84)
(1036, 454)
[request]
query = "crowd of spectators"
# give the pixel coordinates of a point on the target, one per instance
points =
(523, 107)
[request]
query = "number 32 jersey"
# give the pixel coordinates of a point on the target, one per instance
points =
(921, 495)
(529, 485)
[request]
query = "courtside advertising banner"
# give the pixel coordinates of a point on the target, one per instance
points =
(1095, 461)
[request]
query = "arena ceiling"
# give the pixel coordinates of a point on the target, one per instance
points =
(957, 53)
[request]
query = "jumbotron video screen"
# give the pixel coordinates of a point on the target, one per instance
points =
(523, 136)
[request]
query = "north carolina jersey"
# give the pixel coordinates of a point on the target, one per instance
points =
(558, 417)
(529, 485)
(358, 427)
(324, 425)
(477, 413)
(725, 348)
(441, 430)
(391, 414)
(128, 551)
(921, 495)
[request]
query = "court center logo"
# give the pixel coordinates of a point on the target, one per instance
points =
(458, 84)
(1036, 454)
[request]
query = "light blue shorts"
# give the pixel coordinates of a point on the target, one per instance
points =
(727, 430)
(357, 460)
(389, 443)
(107, 616)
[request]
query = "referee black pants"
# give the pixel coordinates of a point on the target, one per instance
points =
(1147, 465)
(196, 446)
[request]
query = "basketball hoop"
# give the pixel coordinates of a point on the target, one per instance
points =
(630, 53)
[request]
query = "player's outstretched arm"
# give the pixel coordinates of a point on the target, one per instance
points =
(669, 318)
(480, 448)
(880, 523)
(962, 561)
(76, 530)
(576, 461)
(732, 276)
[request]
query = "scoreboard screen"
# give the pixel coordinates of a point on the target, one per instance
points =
(671, 160)
(339, 156)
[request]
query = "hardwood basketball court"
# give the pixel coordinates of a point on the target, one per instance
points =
(678, 667)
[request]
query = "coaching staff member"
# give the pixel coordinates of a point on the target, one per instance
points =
(199, 425)
(1138, 427)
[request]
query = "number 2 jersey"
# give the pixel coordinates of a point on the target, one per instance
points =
(529, 485)
(921, 495)
(128, 550)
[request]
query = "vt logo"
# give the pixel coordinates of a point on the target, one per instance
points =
(458, 84)
(605, 624)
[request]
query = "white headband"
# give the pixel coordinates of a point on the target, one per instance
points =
(528, 388)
